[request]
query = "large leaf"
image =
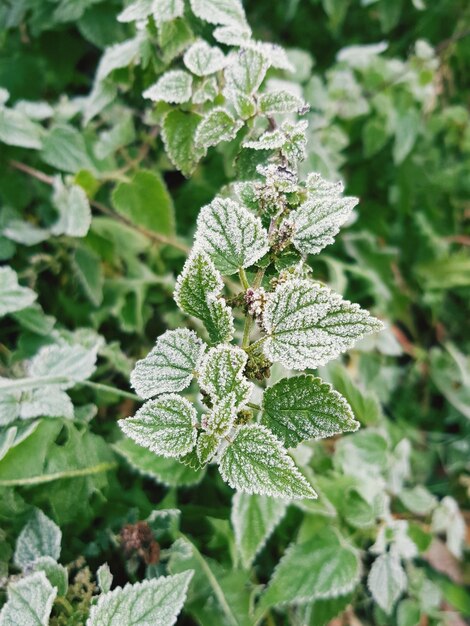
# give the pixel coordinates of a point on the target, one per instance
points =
(203, 60)
(197, 293)
(13, 297)
(247, 71)
(253, 519)
(305, 407)
(151, 602)
(29, 602)
(170, 365)
(226, 12)
(39, 537)
(232, 236)
(178, 131)
(166, 425)
(325, 566)
(221, 374)
(308, 324)
(16, 129)
(387, 580)
(256, 462)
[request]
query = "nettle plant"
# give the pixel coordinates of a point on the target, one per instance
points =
(261, 230)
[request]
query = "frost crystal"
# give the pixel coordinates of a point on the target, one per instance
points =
(256, 462)
(174, 87)
(170, 365)
(308, 324)
(166, 425)
(217, 126)
(221, 374)
(203, 60)
(231, 235)
(197, 293)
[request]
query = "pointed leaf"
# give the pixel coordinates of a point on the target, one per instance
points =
(74, 210)
(170, 365)
(280, 102)
(220, 419)
(304, 407)
(203, 60)
(308, 324)
(387, 580)
(167, 10)
(167, 426)
(197, 293)
(225, 12)
(256, 462)
(29, 602)
(13, 297)
(232, 236)
(174, 86)
(247, 71)
(217, 126)
(221, 374)
(178, 132)
(39, 537)
(207, 445)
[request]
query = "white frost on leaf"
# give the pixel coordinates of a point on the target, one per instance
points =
(280, 101)
(29, 602)
(218, 125)
(167, 10)
(308, 324)
(232, 35)
(175, 87)
(74, 363)
(74, 210)
(166, 425)
(256, 462)
(447, 518)
(39, 537)
(221, 374)
(247, 70)
(136, 11)
(13, 297)
(233, 237)
(197, 293)
(206, 91)
(202, 59)
(223, 12)
(207, 446)
(221, 417)
(387, 580)
(270, 140)
(151, 602)
(170, 365)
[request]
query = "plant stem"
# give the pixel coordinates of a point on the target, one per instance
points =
(111, 390)
(253, 406)
(246, 331)
(243, 279)
(65, 604)
(47, 478)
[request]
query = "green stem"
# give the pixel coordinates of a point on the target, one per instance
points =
(246, 331)
(253, 406)
(256, 345)
(243, 279)
(46, 478)
(111, 390)
(22, 384)
(65, 604)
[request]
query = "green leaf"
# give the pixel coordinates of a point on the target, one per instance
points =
(232, 236)
(156, 601)
(166, 426)
(225, 12)
(247, 71)
(163, 470)
(170, 365)
(221, 418)
(29, 602)
(256, 462)
(304, 407)
(88, 270)
(74, 363)
(174, 87)
(56, 574)
(215, 127)
(280, 102)
(104, 578)
(204, 60)
(325, 566)
(16, 129)
(317, 221)
(167, 10)
(309, 325)
(13, 297)
(74, 210)
(119, 55)
(197, 293)
(64, 148)
(418, 500)
(39, 537)
(136, 11)
(387, 580)
(221, 374)
(254, 518)
(207, 445)
(178, 133)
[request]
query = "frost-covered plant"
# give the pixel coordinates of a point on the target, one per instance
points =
(262, 230)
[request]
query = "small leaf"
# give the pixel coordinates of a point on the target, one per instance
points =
(256, 462)
(13, 297)
(170, 365)
(217, 126)
(325, 566)
(203, 60)
(72, 362)
(304, 407)
(166, 425)
(74, 210)
(308, 324)
(56, 574)
(64, 148)
(247, 71)
(221, 374)
(207, 445)
(29, 602)
(151, 602)
(220, 419)
(136, 11)
(197, 293)
(39, 537)
(178, 133)
(387, 580)
(280, 102)
(270, 140)
(104, 578)
(16, 129)
(167, 10)
(174, 86)
(254, 518)
(233, 237)
(225, 12)
(206, 91)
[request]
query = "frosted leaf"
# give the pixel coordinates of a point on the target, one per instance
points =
(117, 56)
(221, 374)
(275, 54)
(270, 140)
(151, 602)
(318, 220)
(253, 519)
(166, 425)
(218, 125)
(136, 11)
(256, 462)
(178, 131)
(170, 364)
(224, 12)
(45, 401)
(232, 236)
(304, 407)
(74, 363)
(13, 297)
(387, 580)
(207, 445)
(56, 574)
(244, 105)
(174, 87)
(294, 148)
(17, 129)
(232, 35)
(447, 518)
(167, 10)
(202, 59)
(280, 102)
(29, 602)
(247, 71)
(74, 210)
(394, 535)
(418, 500)
(39, 537)
(309, 325)
(220, 419)
(325, 566)
(206, 91)
(104, 578)
(197, 293)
